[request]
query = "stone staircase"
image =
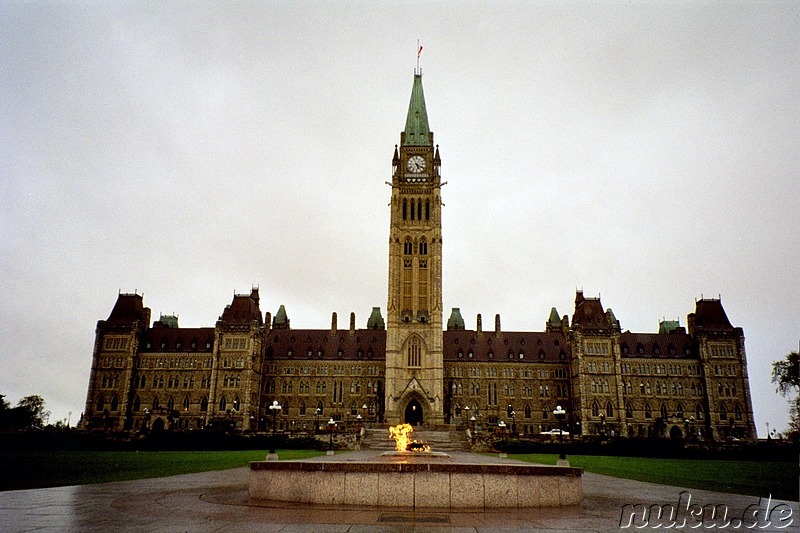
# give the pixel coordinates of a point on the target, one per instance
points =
(438, 440)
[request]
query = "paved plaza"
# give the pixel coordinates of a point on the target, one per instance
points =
(218, 501)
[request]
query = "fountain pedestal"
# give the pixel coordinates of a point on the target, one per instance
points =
(412, 480)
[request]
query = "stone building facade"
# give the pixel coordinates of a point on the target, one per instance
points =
(678, 382)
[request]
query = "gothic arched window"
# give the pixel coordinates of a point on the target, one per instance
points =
(414, 353)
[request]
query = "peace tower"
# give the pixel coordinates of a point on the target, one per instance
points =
(414, 367)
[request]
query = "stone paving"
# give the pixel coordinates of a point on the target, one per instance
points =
(218, 501)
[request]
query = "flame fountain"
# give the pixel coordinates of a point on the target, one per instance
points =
(413, 476)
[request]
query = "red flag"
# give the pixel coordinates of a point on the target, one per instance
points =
(419, 51)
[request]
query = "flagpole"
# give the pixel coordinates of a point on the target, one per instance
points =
(416, 71)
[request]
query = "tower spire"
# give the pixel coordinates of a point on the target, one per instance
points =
(417, 132)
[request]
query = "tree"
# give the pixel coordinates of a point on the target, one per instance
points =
(29, 413)
(786, 374)
(5, 413)
(32, 412)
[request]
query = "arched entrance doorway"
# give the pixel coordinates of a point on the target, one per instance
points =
(675, 433)
(158, 425)
(413, 413)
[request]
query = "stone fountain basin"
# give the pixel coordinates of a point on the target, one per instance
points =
(412, 480)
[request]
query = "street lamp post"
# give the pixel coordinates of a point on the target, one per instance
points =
(513, 423)
(502, 426)
(559, 413)
(331, 426)
(316, 420)
(275, 408)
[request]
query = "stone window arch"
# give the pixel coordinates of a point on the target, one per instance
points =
(414, 352)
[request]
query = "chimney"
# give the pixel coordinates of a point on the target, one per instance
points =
(479, 326)
(268, 321)
(352, 324)
(333, 324)
(497, 331)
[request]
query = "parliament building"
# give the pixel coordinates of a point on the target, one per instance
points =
(679, 382)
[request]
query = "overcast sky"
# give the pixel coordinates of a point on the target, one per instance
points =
(646, 153)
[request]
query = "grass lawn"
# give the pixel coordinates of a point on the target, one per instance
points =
(37, 469)
(756, 478)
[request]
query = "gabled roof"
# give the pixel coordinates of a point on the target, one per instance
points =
(589, 313)
(295, 344)
(710, 315)
(676, 344)
(128, 308)
(167, 339)
(417, 132)
(243, 309)
(535, 347)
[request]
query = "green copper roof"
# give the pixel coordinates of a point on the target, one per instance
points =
(554, 319)
(668, 326)
(611, 318)
(375, 320)
(455, 321)
(171, 321)
(417, 130)
(280, 317)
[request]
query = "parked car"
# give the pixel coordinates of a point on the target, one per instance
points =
(554, 432)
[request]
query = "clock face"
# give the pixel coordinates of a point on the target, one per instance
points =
(416, 164)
